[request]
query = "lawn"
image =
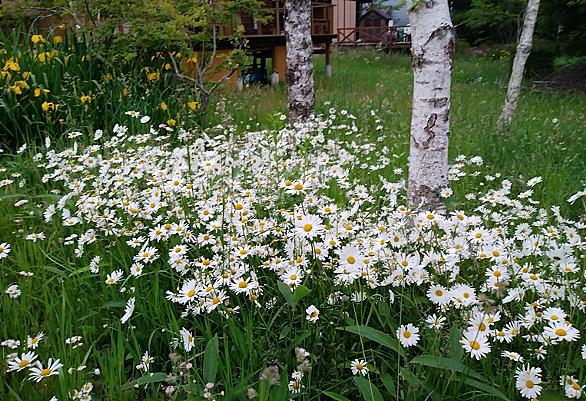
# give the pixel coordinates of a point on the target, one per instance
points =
(245, 260)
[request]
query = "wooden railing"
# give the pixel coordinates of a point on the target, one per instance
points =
(393, 36)
(322, 20)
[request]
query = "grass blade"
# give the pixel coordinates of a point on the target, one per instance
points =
(210, 360)
(434, 361)
(368, 390)
(376, 336)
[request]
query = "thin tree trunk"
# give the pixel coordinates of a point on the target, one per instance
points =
(299, 74)
(521, 56)
(433, 38)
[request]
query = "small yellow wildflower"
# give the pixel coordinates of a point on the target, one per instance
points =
(11, 64)
(153, 75)
(22, 84)
(125, 91)
(57, 39)
(85, 99)
(171, 122)
(37, 39)
(193, 105)
(163, 106)
(49, 106)
(39, 91)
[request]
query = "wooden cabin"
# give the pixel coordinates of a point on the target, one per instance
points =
(373, 25)
(266, 41)
(378, 28)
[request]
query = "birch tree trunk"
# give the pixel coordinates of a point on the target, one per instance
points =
(433, 39)
(299, 73)
(521, 56)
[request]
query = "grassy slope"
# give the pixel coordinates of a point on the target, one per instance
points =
(535, 146)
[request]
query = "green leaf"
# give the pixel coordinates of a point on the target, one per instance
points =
(368, 390)
(489, 389)
(281, 392)
(455, 350)
(389, 383)
(150, 378)
(377, 336)
(335, 396)
(114, 304)
(211, 358)
(551, 396)
(434, 361)
(293, 297)
(417, 385)
(286, 292)
(300, 293)
(56, 270)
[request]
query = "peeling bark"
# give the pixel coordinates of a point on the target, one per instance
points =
(521, 56)
(299, 73)
(432, 35)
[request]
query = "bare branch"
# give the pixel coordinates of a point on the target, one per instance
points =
(222, 80)
(179, 75)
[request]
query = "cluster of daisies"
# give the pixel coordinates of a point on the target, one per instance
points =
(28, 360)
(231, 214)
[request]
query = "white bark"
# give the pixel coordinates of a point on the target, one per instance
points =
(299, 73)
(521, 56)
(432, 35)
(275, 79)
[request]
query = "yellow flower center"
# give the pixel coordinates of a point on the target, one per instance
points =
(351, 260)
(475, 345)
(406, 334)
(23, 363)
(529, 384)
(191, 293)
(45, 372)
(307, 228)
(561, 332)
(242, 284)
